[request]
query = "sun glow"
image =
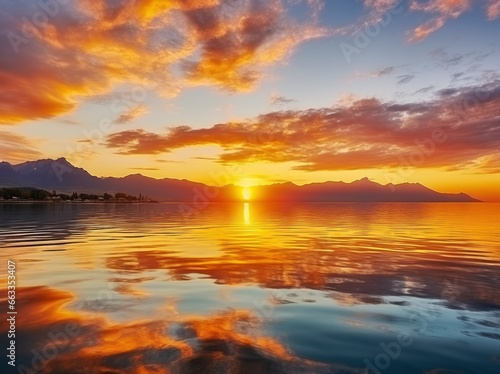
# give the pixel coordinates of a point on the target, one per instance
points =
(247, 193)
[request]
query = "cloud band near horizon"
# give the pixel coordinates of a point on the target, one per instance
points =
(366, 133)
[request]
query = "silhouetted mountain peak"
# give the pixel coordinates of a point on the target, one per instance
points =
(135, 175)
(62, 176)
(64, 162)
(43, 166)
(285, 184)
(364, 181)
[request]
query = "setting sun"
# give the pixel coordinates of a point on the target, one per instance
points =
(247, 193)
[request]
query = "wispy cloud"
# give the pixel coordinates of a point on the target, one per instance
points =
(374, 14)
(129, 115)
(441, 10)
(446, 59)
(17, 148)
(377, 73)
(424, 90)
(145, 169)
(403, 79)
(280, 100)
(385, 71)
(493, 9)
(167, 161)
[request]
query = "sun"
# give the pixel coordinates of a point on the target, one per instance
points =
(247, 193)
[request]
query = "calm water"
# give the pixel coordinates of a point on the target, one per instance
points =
(254, 288)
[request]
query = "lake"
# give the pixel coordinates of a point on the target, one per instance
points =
(253, 288)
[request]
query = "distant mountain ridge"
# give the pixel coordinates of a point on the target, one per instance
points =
(362, 190)
(62, 176)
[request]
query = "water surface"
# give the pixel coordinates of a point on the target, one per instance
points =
(255, 288)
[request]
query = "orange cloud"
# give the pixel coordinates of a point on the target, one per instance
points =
(423, 31)
(83, 49)
(234, 45)
(363, 134)
(17, 148)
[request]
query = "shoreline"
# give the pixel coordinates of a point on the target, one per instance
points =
(25, 202)
(74, 202)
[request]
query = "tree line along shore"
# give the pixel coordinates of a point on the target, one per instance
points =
(19, 194)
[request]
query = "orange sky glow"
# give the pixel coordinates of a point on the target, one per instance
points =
(254, 93)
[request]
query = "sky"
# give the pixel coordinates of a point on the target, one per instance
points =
(262, 91)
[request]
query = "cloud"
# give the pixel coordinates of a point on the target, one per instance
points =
(17, 148)
(381, 72)
(378, 12)
(280, 100)
(85, 49)
(131, 114)
(380, 5)
(403, 79)
(385, 71)
(442, 11)
(424, 89)
(457, 76)
(445, 59)
(69, 121)
(423, 31)
(378, 8)
(489, 164)
(493, 10)
(234, 47)
(366, 133)
(448, 8)
(168, 161)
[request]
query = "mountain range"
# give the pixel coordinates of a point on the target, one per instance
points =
(62, 176)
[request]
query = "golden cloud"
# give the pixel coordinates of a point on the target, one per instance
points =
(17, 148)
(53, 58)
